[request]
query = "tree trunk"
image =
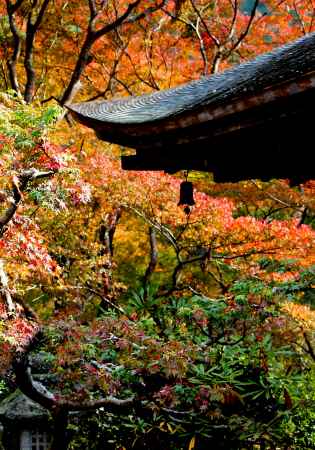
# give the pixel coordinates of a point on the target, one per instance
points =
(60, 435)
(16, 49)
(28, 64)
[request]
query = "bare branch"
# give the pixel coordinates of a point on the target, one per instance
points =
(107, 232)
(40, 394)
(10, 211)
(214, 39)
(309, 348)
(106, 236)
(93, 35)
(14, 6)
(299, 18)
(247, 29)
(84, 56)
(160, 228)
(287, 205)
(153, 260)
(233, 22)
(109, 403)
(19, 184)
(147, 11)
(40, 15)
(105, 300)
(11, 9)
(221, 51)
(93, 9)
(112, 26)
(140, 78)
(111, 74)
(5, 289)
(31, 30)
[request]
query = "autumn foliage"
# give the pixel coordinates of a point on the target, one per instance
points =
(198, 324)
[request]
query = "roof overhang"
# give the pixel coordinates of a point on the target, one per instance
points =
(252, 121)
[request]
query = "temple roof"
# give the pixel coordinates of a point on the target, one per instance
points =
(267, 95)
(18, 407)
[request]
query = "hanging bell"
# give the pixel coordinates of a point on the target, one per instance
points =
(186, 195)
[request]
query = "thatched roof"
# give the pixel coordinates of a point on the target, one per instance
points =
(233, 111)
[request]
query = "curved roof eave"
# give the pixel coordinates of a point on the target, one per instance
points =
(281, 65)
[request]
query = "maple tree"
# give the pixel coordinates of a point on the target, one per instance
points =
(73, 288)
(137, 306)
(134, 48)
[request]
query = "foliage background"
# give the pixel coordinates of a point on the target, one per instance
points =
(205, 319)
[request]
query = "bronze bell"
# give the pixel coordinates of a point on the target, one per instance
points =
(186, 195)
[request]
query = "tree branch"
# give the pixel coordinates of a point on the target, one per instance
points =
(112, 26)
(309, 348)
(11, 9)
(233, 22)
(40, 394)
(93, 9)
(214, 39)
(147, 11)
(221, 52)
(31, 31)
(93, 35)
(106, 237)
(246, 31)
(105, 299)
(14, 200)
(19, 184)
(5, 289)
(153, 261)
